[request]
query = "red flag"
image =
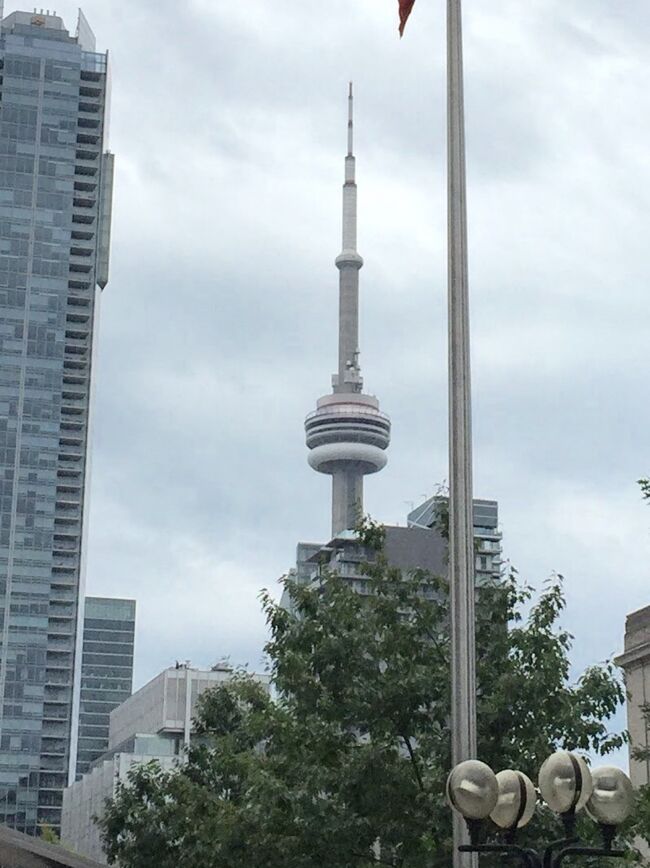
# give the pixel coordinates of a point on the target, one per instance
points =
(405, 7)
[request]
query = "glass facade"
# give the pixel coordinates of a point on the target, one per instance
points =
(54, 180)
(106, 672)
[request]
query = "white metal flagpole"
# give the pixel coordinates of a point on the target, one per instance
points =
(461, 529)
(461, 524)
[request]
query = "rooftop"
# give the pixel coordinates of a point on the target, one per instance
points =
(50, 24)
(23, 851)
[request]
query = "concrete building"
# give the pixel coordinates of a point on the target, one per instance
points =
(55, 205)
(106, 672)
(347, 435)
(86, 798)
(154, 723)
(635, 661)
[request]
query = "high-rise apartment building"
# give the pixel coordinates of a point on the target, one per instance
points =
(487, 536)
(55, 201)
(106, 672)
(419, 545)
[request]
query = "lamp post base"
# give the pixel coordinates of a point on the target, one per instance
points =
(553, 856)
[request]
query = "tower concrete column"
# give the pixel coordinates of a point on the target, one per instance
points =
(347, 499)
(348, 325)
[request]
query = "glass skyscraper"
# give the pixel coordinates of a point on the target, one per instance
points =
(106, 672)
(55, 195)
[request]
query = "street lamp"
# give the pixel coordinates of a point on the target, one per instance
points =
(565, 784)
(516, 802)
(509, 799)
(472, 789)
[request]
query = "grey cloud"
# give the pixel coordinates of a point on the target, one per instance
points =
(218, 325)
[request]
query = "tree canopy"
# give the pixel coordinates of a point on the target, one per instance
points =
(345, 765)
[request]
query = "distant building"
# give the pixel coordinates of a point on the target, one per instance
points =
(635, 661)
(55, 206)
(106, 672)
(154, 723)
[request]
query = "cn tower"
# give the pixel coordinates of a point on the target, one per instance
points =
(347, 435)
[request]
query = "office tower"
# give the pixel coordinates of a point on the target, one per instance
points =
(347, 435)
(154, 723)
(106, 672)
(55, 201)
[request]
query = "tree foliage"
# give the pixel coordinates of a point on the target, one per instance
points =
(346, 766)
(48, 833)
(644, 484)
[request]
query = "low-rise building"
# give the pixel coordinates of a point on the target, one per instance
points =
(155, 723)
(635, 662)
(18, 850)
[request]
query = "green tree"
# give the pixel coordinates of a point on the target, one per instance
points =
(347, 766)
(49, 834)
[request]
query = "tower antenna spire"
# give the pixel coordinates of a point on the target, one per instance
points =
(347, 435)
(350, 196)
(350, 122)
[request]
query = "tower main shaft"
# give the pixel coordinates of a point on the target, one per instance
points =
(347, 434)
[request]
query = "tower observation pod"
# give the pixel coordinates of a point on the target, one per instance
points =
(347, 435)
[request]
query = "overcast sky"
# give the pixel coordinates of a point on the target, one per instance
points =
(218, 325)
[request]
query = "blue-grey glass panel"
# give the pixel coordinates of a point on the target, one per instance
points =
(46, 272)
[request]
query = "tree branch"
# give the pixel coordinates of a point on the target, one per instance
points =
(376, 859)
(414, 761)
